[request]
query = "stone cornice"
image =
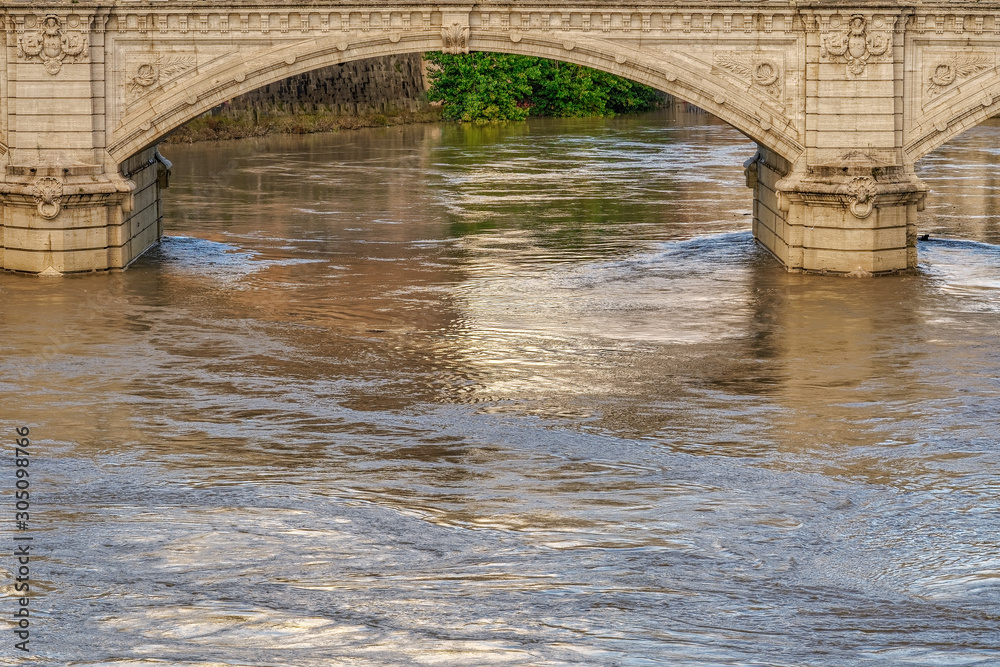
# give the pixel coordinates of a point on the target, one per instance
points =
(633, 5)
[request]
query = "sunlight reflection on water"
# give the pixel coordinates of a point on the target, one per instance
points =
(525, 395)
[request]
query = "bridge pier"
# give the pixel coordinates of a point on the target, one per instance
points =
(848, 218)
(72, 219)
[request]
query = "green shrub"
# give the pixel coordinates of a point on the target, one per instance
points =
(495, 87)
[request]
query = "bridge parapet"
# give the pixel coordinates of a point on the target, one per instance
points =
(841, 100)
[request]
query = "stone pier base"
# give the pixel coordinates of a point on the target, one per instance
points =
(853, 218)
(56, 220)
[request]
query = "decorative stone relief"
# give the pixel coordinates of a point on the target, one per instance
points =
(455, 38)
(861, 193)
(142, 73)
(51, 43)
(856, 45)
(48, 196)
(955, 68)
(753, 68)
(155, 71)
(156, 18)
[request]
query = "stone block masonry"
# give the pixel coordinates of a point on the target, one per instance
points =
(363, 86)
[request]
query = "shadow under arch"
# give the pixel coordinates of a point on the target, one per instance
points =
(156, 114)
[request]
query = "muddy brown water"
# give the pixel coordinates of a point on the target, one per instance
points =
(526, 395)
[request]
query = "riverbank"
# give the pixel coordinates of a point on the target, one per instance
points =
(221, 126)
(216, 127)
(372, 92)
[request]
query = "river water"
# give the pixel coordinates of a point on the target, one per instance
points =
(530, 395)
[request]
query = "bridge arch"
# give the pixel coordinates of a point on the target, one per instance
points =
(951, 115)
(842, 100)
(157, 112)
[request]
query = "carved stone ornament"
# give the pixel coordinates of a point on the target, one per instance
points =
(52, 44)
(855, 45)
(156, 70)
(956, 68)
(48, 196)
(456, 38)
(861, 193)
(753, 68)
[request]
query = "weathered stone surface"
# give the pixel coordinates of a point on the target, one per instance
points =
(372, 84)
(841, 99)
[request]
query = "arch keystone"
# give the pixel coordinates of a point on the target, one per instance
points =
(455, 38)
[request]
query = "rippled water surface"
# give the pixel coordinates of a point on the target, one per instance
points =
(522, 395)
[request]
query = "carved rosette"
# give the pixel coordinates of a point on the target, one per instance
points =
(955, 68)
(152, 71)
(455, 38)
(48, 196)
(754, 68)
(856, 44)
(861, 193)
(51, 43)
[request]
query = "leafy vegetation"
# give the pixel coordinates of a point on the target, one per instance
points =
(494, 87)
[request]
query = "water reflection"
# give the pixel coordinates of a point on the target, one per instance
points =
(963, 179)
(520, 395)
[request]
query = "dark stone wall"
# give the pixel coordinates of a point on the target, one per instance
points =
(369, 85)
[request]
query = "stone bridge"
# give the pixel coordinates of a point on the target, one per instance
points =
(842, 100)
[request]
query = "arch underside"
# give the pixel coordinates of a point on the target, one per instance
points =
(742, 104)
(952, 117)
